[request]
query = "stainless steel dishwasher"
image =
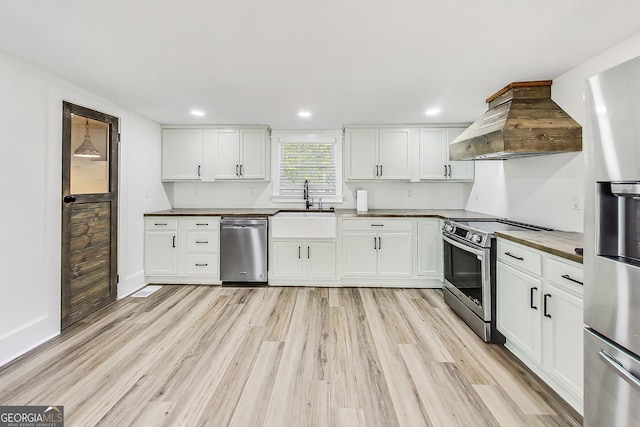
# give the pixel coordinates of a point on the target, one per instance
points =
(243, 250)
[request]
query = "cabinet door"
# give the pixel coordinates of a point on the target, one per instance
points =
(362, 156)
(562, 337)
(181, 154)
(395, 254)
(253, 155)
(429, 248)
(160, 253)
(394, 154)
(460, 169)
(321, 260)
(286, 259)
(520, 323)
(433, 145)
(359, 254)
(228, 154)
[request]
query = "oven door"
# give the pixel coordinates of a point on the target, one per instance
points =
(467, 275)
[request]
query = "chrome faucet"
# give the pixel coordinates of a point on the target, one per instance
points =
(307, 202)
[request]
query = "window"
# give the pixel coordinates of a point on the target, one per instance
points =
(314, 157)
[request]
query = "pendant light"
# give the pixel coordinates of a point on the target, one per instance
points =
(87, 149)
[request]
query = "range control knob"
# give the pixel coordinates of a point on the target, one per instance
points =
(476, 238)
(449, 228)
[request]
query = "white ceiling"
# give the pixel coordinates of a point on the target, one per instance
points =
(346, 61)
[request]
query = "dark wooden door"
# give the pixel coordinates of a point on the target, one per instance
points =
(89, 211)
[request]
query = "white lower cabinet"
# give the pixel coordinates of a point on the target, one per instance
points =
(430, 248)
(539, 311)
(384, 252)
(182, 250)
(300, 262)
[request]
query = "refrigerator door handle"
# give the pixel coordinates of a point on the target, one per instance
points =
(620, 370)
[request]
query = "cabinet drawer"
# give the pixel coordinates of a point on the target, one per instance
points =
(160, 223)
(383, 224)
(203, 241)
(204, 223)
(202, 265)
(520, 256)
(564, 273)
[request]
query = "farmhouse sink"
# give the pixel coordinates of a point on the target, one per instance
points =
(304, 225)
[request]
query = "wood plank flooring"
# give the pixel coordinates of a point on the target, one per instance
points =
(200, 356)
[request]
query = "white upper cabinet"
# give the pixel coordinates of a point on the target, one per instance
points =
(242, 154)
(460, 170)
(434, 156)
(181, 154)
(377, 154)
(214, 153)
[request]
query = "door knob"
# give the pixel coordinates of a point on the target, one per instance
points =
(69, 199)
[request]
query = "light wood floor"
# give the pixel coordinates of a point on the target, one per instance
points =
(196, 356)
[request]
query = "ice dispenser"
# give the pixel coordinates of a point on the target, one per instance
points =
(618, 234)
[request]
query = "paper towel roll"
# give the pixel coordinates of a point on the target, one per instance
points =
(361, 201)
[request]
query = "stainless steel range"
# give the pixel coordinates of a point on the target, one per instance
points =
(470, 271)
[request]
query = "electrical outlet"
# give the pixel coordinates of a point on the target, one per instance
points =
(576, 203)
(252, 191)
(409, 193)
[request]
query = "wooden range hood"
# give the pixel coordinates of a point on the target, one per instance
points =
(522, 120)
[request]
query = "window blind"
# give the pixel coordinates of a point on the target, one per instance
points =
(312, 161)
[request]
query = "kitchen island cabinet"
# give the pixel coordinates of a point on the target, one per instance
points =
(539, 311)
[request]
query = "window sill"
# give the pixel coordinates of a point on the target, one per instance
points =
(298, 200)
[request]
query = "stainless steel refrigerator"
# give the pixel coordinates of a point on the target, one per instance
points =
(612, 249)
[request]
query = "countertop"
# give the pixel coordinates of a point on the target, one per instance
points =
(214, 212)
(559, 243)
(400, 213)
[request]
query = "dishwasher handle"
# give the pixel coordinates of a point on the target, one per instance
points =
(240, 223)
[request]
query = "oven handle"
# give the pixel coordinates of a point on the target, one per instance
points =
(466, 248)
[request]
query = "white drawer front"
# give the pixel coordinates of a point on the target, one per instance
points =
(202, 265)
(203, 241)
(160, 223)
(204, 223)
(373, 224)
(565, 273)
(519, 256)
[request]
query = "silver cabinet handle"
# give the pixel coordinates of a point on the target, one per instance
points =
(620, 370)
(519, 258)
(567, 277)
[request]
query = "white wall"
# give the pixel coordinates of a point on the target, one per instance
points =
(380, 195)
(542, 190)
(30, 185)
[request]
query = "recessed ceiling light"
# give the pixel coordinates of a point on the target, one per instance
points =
(197, 113)
(432, 112)
(304, 114)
